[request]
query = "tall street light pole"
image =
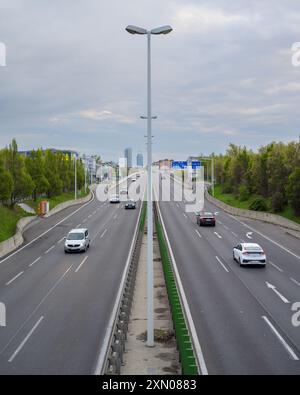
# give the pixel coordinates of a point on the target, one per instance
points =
(75, 171)
(150, 317)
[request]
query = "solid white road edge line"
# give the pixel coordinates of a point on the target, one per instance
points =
(266, 237)
(13, 279)
(222, 264)
(49, 230)
(198, 349)
(25, 340)
(281, 339)
(77, 270)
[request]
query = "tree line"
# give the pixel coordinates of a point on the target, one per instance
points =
(41, 173)
(272, 173)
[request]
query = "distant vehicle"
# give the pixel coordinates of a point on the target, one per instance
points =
(131, 204)
(77, 240)
(133, 178)
(123, 191)
(114, 199)
(138, 175)
(206, 218)
(249, 254)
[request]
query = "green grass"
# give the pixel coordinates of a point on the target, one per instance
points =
(8, 221)
(232, 200)
(55, 200)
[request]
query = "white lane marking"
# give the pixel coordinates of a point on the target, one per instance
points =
(184, 214)
(59, 241)
(37, 259)
(220, 222)
(103, 234)
(36, 309)
(81, 264)
(249, 235)
(218, 235)
(110, 326)
(13, 279)
(266, 237)
(295, 281)
(94, 212)
(177, 205)
(49, 230)
(25, 340)
(273, 288)
(49, 249)
(234, 234)
(198, 233)
(276, 267)
(226, 227)
(90, 216)
(84, 221)
(78, 226)
(222, 264)
(116, 216)
(281, 339)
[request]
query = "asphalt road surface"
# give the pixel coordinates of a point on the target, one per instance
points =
(243, 316)
(59, 305)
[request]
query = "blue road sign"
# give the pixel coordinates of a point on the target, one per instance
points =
(179, 165)
(196, 164)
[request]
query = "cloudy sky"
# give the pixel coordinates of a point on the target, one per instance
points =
(76, 79)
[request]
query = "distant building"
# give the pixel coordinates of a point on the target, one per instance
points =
(66, 152)
(90, 162)
(165, 163)
(140, 160)
(128, 156)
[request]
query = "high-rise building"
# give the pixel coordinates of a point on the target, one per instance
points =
(128, 156)
(139, 160)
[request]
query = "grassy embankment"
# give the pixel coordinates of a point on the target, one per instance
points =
(9, 217)
(232, 200)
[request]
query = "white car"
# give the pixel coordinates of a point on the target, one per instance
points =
(77, 240)
(114, 199)
(249, 254)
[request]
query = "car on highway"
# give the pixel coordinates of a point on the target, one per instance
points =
(78, 240)
(249, 254)
(114, 199)
(131, 204)
(133, 178)
(206, 218)
(123, 191)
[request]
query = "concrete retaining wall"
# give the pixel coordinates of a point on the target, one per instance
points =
(17, 240)
(261, 216)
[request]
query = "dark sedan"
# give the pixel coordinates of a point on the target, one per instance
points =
(130, 204)
(206, 218)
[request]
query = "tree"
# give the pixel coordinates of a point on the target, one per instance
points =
(6, 183)
(35, 165)
(293, 190)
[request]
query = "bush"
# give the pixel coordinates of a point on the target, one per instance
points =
(227, 188)
(258, 204)
(278, 202)
(243, 193)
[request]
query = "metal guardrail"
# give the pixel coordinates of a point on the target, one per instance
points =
(111, 355)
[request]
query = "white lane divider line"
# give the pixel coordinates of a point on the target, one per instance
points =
(295, 281)
(84, 221)
(25, 340)
(184, 214)
(49, 249)
(81, 264)
(198, 233)
(234, 234)
(103, 234)
(78, 226)
(226, 227)
(273, 288)
(265, 237)
(90, 216)
(220, 222)
(37, 259)
(218, 235)
(13, 279)
(59, 241)
(116, 216)
(222, 264)
(281, 339)
(276, 267)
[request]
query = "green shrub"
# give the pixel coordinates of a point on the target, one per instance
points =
(258, 204)
(243, 193)
(227, 188)
(278, 202)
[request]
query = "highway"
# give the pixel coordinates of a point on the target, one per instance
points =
(242, 316)
(59, 305)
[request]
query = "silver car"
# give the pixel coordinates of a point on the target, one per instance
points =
(77, 240)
